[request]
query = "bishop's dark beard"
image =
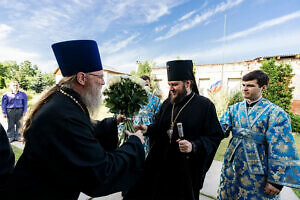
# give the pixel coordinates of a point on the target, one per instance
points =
(180, 96)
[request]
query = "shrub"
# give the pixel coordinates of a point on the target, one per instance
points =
(220, 99)
(237, 97)
(295, 122)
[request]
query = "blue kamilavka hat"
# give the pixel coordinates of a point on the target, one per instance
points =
(77, 56)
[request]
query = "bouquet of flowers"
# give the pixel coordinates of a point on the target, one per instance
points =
(125, 95)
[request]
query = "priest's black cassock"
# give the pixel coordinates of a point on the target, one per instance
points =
(66, 154)
(7, 160)
(170, 174)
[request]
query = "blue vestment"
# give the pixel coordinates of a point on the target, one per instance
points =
(145, 116)
(262, 149)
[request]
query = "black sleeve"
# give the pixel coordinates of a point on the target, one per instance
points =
(7, 157)
(209, 141)
(83, 160)
(279, 187)
(154, 129)
(106, 132)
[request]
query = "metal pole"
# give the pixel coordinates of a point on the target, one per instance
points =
(224, 38)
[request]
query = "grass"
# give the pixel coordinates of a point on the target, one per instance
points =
(221, 150)
(297, 141)
(17, 152)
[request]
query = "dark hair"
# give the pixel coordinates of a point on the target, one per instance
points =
(261, 77)
(192, 85)
(144, 77)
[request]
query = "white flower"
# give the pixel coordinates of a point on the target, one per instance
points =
(138, 81)
(147, 88)
(141, 82)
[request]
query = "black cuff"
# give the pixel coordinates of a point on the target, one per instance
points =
(279, 187)
(194, 147)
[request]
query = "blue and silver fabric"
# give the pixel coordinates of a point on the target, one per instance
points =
(262, 149)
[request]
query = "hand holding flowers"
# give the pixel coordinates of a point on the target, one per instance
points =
(125, 95)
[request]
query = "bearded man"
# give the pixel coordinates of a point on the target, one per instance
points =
(176, 165)
(65, 153)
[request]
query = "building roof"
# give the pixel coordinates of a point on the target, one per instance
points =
(278, 57)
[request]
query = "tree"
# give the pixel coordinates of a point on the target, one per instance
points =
(2, 75)
(49, 79)
(144, 68)
(279, 91)
(38, 84)
(25, 75)
(11, 68)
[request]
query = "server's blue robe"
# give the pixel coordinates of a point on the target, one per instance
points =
(262, 149)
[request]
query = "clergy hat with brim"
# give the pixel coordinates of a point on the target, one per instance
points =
(77, 56)
(181, 70)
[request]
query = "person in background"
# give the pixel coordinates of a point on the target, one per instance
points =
(176, 165)
(14, 107)
(66, 152)
(7, 161)
(147, 112)
(261, 157)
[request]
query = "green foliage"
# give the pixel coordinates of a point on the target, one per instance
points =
(125, 97)
(144, 68)
(237, 97)
(38, 83)
(2, 82)
(222, 149)
(18, 152)
(49, 79)
(28, 76)
(10, 68)
(3, 75)
(279, 91)
(31, 95)
(297, 192)
(220, 99)
(295, 122)
(25, 75)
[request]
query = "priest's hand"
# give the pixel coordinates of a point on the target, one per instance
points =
(139, 134)
(142, 128)
(184, 146)
(271, 190)
(120, 118)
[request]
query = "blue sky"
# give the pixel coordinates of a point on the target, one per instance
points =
(155, 30)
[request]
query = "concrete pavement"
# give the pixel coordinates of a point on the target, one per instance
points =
(210, 187)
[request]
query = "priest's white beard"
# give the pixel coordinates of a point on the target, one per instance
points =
(92, 98)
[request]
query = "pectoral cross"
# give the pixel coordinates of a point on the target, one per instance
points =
(170, 132)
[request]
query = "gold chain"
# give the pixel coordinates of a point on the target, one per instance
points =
(172, 122)
(63, 92)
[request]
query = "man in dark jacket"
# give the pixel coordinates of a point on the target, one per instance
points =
(65, 151)
(177, 163)
(7, 160)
